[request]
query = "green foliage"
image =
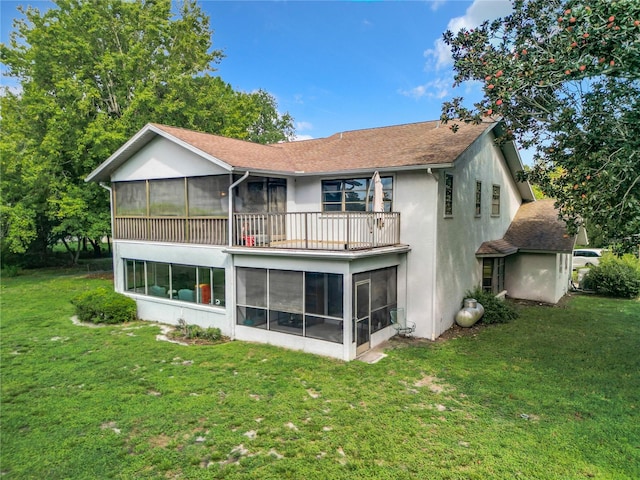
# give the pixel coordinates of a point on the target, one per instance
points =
(191, 332)
(615, 276)
(90, 75)
(495, 310)
(10, 271)
(536, 398)
(103, 305)
(564, 75)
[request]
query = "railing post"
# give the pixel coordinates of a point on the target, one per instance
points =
(348, 231)
(306, 230)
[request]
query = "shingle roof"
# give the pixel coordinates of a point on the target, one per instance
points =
(415, 144)
(535, 228)
(496, 248)
(236, 153)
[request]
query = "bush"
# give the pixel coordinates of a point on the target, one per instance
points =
(10, 271)
(104, 306)
(194, 331)
(615, 276)
(496, 310)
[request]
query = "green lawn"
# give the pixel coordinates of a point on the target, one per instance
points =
(553, 395)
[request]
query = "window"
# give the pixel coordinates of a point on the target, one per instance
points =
(448, 195)
(186, 283)
(135, 276)
(493, 275)
(308, 304)
(131, 198)
(350, 195)
(495, 200)
(478, 199)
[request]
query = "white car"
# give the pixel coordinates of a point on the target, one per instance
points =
(586, 257)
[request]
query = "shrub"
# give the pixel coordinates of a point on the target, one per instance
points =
(10, 271)
(496, 310)
(615, 276)
(195, 331)
(104, 306)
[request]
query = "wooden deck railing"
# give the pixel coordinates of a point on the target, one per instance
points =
(202, 230)
(293, 230)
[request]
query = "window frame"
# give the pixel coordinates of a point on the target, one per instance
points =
(496, 194)
(478, 198)
(344, 202)
(203, 275)
(448, 195)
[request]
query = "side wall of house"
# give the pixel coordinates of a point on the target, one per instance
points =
(415, 197)
(542, 277)
(461, 234)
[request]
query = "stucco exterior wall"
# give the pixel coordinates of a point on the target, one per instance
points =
(542, 277)
(415, 195)
(459, 236)
(164, 159)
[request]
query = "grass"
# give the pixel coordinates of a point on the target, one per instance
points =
(554, 394)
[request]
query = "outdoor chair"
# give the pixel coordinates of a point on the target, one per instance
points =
(157, 291)
(400, 324)
(186, 295)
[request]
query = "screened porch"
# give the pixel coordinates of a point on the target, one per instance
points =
(196, 210)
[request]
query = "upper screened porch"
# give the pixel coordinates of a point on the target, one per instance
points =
(195, 210)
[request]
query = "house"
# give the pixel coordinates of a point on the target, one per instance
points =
(327, 237)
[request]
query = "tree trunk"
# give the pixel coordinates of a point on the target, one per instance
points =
(72, 254)
(97, 251)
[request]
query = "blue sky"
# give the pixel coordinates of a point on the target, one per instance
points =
(337, 65)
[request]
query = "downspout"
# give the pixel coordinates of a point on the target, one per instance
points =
(231, 312)
(113, 256)
(434, 290)
(231, 187)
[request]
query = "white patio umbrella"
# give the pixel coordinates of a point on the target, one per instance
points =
(378, 198)
(378, 194)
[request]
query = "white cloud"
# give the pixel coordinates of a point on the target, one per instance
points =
(436, 4)
(299, 138)
(302, 126)
(438, 89)
(480, 10)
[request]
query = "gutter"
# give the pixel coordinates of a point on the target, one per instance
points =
(231, 312)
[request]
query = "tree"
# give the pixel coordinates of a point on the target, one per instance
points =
(91, 74)
(564, 76)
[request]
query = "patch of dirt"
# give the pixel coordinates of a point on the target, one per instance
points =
(433, 383)
(100, 275)
(175, 335)
(456, 331)
(160, 441)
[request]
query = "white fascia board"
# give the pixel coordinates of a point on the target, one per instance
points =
(370, 169)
